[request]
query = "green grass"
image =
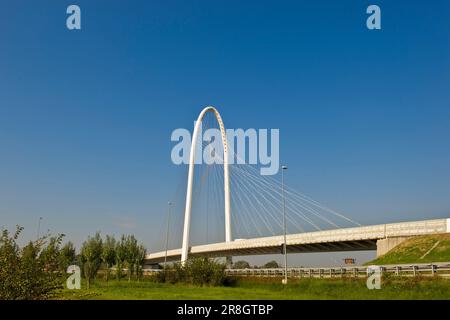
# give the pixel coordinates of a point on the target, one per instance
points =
(268, 289)
(423, 249)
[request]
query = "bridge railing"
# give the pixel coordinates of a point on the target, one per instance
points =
(412, 270)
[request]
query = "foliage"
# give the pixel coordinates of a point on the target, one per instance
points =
(51, 254)
(109, 254)
(268, 289)
(121, 255)
(131, 245)
(241, 265)
(204, 271)
(271, 265)
(29, 273)
(131, 255)
(67, 256)
(37, 270)
(91, 257)
(139, 261)
(197, 271)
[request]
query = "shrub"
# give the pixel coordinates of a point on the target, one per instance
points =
(271, 265)
(241, 265)
(29, 273)
(203, 271)
(197, 271)
(67, 256)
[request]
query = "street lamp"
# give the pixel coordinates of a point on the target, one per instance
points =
(285, 280)
(39, 228)
(167, 233)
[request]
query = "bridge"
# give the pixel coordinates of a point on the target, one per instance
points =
(381, 238)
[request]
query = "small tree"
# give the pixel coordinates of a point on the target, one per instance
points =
(139, 262)
(67, 256)
(271, 265)
(91, 257)
(22, 271)
(121, 256)
(51, 254)
(131, 255)
(109, 254)
(242, 265)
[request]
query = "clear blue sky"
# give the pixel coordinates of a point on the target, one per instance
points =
(86, 116)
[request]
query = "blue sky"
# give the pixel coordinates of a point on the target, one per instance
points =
(86, 116)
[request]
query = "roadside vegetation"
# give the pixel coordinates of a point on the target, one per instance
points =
(112, 269)
(197, 271)
(267, 289)
(31, 272)
(422, 249)
(37, 271)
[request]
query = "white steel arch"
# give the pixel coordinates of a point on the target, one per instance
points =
(226, 175)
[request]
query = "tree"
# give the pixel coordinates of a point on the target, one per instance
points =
(140, 258)
(121, 255)
(131, 255)
(22, 271)
(242, 265)
(67, 256)
(51, 254)
(109, 254)
(271, 265)
(91, 257)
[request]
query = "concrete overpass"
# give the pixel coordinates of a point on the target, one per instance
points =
(382, 238)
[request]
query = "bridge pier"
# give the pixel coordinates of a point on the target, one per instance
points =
(229, 262)
(386, 245)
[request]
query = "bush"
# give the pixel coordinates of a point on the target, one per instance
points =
(207, 272)
(29, 273)
(197, 271)
(242, 265)
(271, 265)
(173, 274)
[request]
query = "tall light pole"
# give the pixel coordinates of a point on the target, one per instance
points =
(39, 228)
(285, 281)
(167, 233)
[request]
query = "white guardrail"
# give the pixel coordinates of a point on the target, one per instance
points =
(405, 270)
(430, 269)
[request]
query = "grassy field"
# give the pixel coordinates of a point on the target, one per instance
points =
(423, 249)
(267, 289)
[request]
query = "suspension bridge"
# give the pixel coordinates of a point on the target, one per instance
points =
(251, 206)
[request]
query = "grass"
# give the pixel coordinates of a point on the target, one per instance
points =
(422, 249)
(269, 289)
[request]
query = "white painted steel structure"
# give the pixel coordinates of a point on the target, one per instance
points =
(226, 175)
(348, 239)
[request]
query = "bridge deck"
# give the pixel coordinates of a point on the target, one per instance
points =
(348, 239)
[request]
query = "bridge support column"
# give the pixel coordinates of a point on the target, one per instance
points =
(229, 262)
(386, 245)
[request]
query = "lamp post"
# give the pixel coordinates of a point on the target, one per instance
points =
(285, 280)
(39, 228)
(167, 233)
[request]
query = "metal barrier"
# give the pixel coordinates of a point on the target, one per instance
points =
(413, 270)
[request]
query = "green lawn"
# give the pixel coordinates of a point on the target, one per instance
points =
(258, 289)
(422, 249)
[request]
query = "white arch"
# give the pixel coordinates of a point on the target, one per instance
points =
(226, 175)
